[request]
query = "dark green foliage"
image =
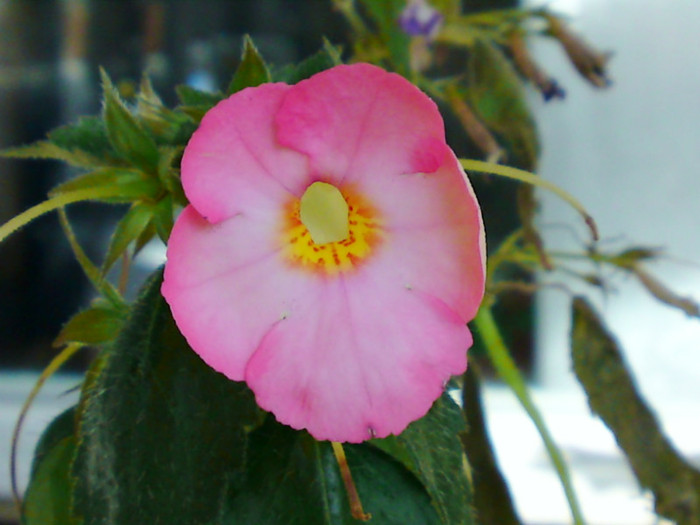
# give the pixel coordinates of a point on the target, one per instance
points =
(48, 497)
(160, 432)
(431, 449)
(294, 480)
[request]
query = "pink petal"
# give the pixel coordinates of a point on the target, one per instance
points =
(358, 120)
(234, 158)
(227, 286)
(358, 358)
(435, 236)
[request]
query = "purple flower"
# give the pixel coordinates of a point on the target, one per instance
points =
(420, 19)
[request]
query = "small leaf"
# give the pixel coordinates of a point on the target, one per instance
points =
(190, 96)
(48, 497)
(125, 134)
(96, 325)
(128, 229)
(163, 219)
(326, 58)
(432, 450)
(135, 184)
(160, 432)
(252, 70)
(167, 126)
(88, 135)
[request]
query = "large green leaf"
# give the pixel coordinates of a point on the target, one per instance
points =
(160, 432)
(48, 497)
(613, 395)
(292, 479)
(432, 450)
(495, 91)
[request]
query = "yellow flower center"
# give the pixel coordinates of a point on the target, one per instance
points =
(329, 231)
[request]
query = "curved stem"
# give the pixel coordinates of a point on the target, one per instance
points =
(500, 357)
(534, 180)
(54, 365)
(353, 497)
(56, 202)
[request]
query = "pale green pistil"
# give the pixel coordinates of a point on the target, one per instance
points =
(324, 212)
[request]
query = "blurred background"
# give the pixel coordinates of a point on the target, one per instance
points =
(630, 154)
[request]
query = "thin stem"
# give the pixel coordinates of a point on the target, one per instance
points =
(103, 286)
(353, 497)
(529, 178)
(54, 365)
(500, 357)
(347, 8)
(56, 202)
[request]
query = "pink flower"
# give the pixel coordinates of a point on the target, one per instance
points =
(333, 251)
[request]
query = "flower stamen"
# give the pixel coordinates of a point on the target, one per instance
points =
(315, 236)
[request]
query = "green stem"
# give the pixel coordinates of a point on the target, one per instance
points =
(500, 357)
(56, 202)
(54, 365)
(529, 178)
(103, 286)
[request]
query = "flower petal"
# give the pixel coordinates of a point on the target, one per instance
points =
(434, 234)
(359, 120)
(234, 158)
(226, 286)
(357, 359)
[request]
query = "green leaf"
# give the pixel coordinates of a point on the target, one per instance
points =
(612, 394)
(432, 450)
(496, 93)
(292, 479)
(48, 150)
(167, 126)
(96, 325)
(128, 229)
(252, 70)
(160, 432)
(47, 500)
(125, 133)
(134, 184)
(163, 219)
(190, 96)
(327, 57)
(88, 135)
